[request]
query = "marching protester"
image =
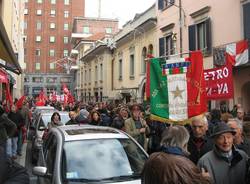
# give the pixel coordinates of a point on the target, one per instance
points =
(72, 116)
(199, 143)
(16, 117)
(95, 118)
(136, 126)
(55, 120)
(122, 115)
(240, 141)
(10, 172)
(225, 163)
(171, 165)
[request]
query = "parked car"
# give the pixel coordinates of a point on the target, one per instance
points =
(35, 115)
(90, 154)
(40, 128)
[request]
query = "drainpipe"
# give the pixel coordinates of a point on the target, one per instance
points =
(180, 19)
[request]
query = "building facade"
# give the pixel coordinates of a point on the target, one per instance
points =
(134, 42)
(184, 26)
(86, 35)
(47, 47)
(11, 46)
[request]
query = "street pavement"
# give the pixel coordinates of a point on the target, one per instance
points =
(25, 160)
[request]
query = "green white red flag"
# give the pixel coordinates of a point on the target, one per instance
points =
(177, 88)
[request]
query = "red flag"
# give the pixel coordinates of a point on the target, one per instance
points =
(19, 103)
(9, 100)
(197, 101)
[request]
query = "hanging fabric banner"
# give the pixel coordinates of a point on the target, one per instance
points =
(219, 82)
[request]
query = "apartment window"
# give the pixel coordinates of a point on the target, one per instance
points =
(85, 75)
(66, 26)
(143, 62)
(38, 38)
(25, 25)
(89, 75)
(120, 69)
(38, 66)
(246, 24)
(96, 73)
(52, 25)
(25, 11)
(53, 1)
(85, 29)
(65, 53)
(38, 52)
(132, 65)
(52, 39)
(52, 13)
(66, 14)
(25, 38)
(166, 45)
(101, 72)
(38, 25)
(25, 51)
(200, 36)
(108, 30)
(66, 2)
(39, 12)
(52, 52)
(52, 66)
(65, 39)
(163, 4)
(39, 1)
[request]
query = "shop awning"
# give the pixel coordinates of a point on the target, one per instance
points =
(8, 59)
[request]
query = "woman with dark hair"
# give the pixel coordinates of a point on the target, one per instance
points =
(55, 120)
(171, 165)
(95, 118)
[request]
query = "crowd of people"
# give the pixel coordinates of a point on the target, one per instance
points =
(212, 148)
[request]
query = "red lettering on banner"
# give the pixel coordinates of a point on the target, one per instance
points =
(219, 82)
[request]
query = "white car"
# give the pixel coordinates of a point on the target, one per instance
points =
(90, 154)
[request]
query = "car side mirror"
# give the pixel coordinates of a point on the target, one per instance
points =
(41, 171)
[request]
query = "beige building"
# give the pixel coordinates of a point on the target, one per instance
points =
(11, 12)
(209, 26)
(137, 39)
(97, 73)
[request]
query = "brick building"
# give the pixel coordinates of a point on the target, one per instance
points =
(47, 29)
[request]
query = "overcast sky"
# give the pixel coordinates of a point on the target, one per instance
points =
(124, 10)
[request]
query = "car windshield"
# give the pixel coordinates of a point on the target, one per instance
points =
(102, 160)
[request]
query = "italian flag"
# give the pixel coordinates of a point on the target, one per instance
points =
(176, 88)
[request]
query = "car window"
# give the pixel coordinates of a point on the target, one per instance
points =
(102, 159)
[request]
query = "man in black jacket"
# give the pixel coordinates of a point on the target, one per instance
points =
(199, 143)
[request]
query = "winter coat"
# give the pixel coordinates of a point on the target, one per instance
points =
(16, 117)
(7, 128)
(223, 171)
(131, 129)
(197, 152)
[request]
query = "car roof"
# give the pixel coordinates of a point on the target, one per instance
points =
(81, 132)
(44, 107)
(51, 112)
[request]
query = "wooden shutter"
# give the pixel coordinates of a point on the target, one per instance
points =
(208, 36)
(160, 4)
(161, 47)
(192, 37)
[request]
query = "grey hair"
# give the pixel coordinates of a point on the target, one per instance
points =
(238, 123)
(203, 119)
(175, 136)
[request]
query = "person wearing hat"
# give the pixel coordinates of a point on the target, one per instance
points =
(136, 126)
(225, 164)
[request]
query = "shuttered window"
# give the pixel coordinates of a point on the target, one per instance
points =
(166, 46)
(246, 21)
(200, 37)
